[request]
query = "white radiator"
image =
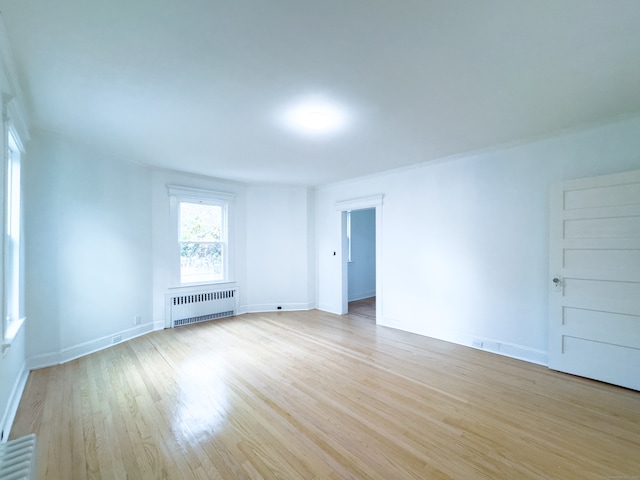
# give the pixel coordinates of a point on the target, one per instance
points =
(202, 306)
(18, 459)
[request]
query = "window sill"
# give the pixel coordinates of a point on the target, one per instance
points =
(12, 333)
(191, 286)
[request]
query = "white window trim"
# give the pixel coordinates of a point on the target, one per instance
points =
(349, 236)
(177, 194)
(11, 326)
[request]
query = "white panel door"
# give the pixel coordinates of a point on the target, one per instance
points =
(595, 278)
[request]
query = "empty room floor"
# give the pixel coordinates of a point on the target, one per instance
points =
(301, 395)
(364, 308)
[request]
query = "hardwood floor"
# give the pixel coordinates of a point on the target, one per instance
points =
(364, 308)
(313, 395)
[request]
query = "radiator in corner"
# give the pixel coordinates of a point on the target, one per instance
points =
(18, 459)
(202, 306)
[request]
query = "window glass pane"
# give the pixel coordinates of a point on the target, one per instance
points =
(12, 254)
(201, 240)
(201, 262)
(200, 222)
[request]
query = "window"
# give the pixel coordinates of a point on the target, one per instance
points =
(202, 245)
(202, 222)
(12, 240)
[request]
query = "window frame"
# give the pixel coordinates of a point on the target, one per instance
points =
(223, 241)
(13, 317)
(178, 195)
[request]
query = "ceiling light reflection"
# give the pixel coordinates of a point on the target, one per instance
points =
(202, 404)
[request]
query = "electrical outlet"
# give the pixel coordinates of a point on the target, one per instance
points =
(137, 320)
(279, 307)
(116, 339)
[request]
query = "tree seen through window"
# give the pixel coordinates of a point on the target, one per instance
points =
(202, 242)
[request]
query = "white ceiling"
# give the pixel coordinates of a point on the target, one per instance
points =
(199, 85)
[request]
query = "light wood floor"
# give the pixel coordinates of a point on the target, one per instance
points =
(364, 308)
(313, 395)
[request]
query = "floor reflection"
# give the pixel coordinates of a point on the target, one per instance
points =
(202, 399)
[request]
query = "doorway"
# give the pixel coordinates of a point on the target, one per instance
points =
(373, 238)
(361, 262)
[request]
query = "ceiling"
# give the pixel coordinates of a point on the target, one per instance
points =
(201, 85)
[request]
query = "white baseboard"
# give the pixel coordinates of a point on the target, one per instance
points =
(158, 325)
(519, 352)
(43, 360)
(362, 295)
(499, 347)
(14, 401)
(273, 307)
(326, 307)
(80, 350)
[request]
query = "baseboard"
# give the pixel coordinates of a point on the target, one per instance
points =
(499, 347)
(326, 307)
(362, 295)
(80, 350)
(273, 307)
(519, 352)
(158, 325)
(14, 401)
(43, 360)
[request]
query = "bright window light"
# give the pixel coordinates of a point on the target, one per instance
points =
(316, 115)
(13, 255)
(202, 242)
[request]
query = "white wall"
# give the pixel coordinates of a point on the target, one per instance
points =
(88, 250)
(362, 267)
(465, 241)
(277, 249)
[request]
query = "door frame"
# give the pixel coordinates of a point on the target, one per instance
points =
(375, 202)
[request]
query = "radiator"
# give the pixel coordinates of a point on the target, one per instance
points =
(18, 459)
(202, 306)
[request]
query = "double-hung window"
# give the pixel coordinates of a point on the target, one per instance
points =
(202, 219)
(13, 317)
